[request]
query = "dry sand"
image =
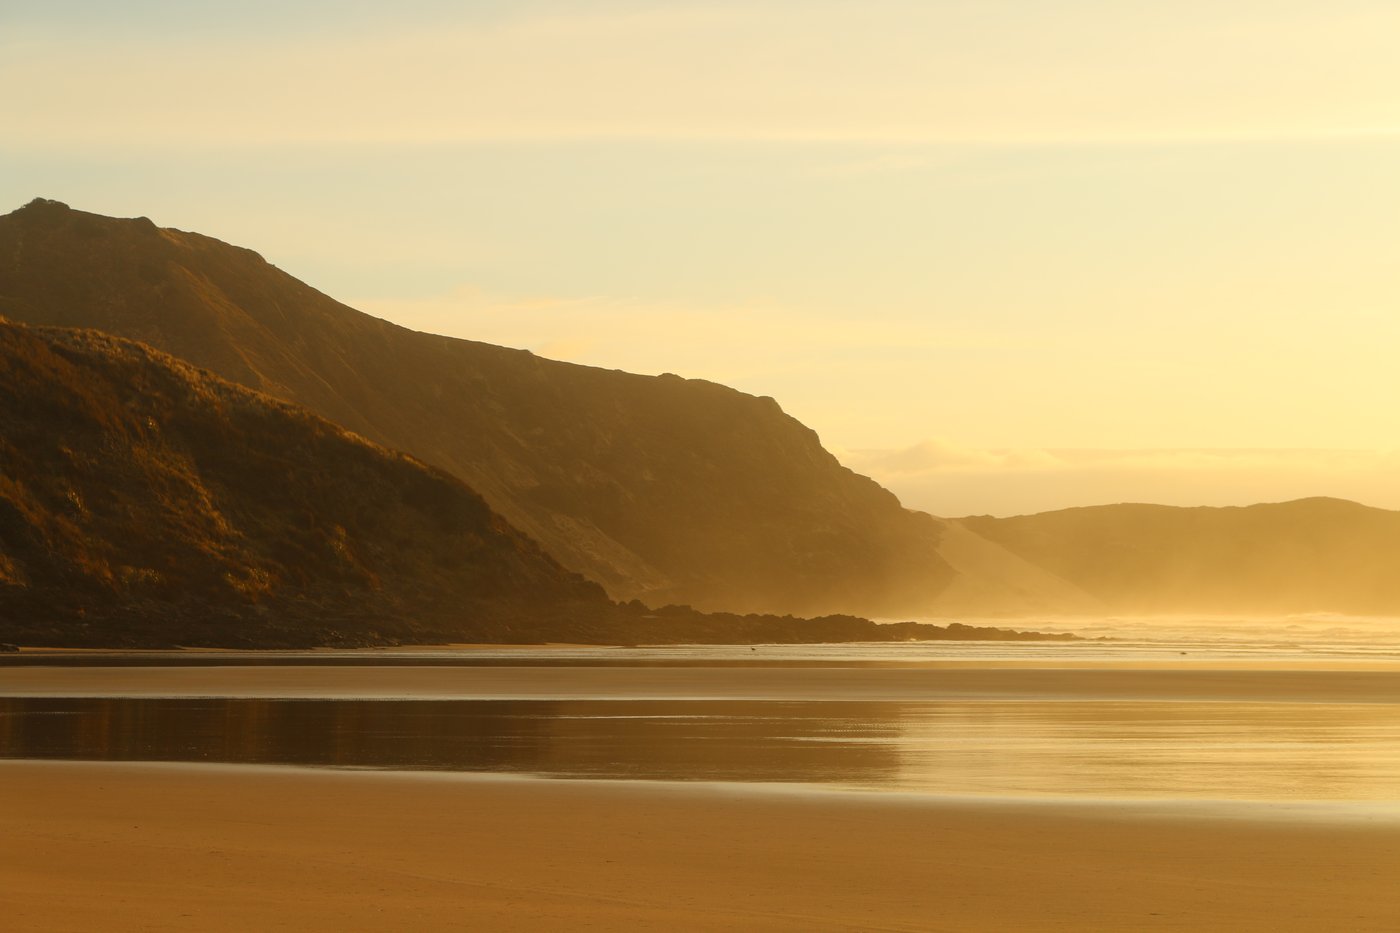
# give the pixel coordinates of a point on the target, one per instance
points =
(87, 846)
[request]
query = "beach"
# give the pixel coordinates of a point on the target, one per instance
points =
(354, 792)
(167, 847)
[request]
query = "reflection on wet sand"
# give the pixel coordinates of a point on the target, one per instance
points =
(1109, 749)
(1259, 751)
(717, 741)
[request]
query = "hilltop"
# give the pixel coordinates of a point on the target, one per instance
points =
(665, 489)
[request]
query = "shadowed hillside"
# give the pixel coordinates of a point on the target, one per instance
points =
(1309, 555)
(140, 494)
(667, 489)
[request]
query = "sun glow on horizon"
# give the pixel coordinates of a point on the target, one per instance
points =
(1020, 226)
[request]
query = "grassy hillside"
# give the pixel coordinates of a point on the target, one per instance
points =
(142, 495)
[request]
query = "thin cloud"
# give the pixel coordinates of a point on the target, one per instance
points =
(940, 456)
(951, 479)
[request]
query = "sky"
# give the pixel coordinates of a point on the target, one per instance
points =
(1003, 255)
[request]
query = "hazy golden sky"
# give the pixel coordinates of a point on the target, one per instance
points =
(1004, 255)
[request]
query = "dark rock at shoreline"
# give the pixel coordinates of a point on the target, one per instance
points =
(146, 503)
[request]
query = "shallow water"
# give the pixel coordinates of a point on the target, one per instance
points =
(1285, 710)
(1090, 749)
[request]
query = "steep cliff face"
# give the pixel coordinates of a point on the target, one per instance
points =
(667, 489)
(1310, 555)
(143, 501)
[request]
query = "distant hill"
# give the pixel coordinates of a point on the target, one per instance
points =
(1311, 555)
(667, 489)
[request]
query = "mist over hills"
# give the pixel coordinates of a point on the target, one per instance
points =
(667, 489)
(1323, 555)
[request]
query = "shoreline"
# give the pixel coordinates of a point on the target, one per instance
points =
(955, 655)
(755, 681)
(234, 848)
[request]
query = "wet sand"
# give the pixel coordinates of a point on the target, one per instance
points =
(759, 681)
(117, 846)
(174, 847)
